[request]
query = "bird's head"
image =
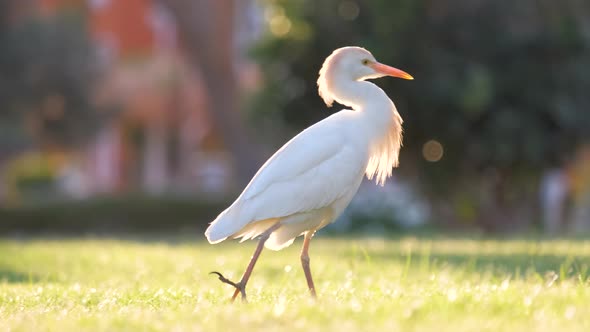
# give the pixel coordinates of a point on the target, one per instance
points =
(352, 63)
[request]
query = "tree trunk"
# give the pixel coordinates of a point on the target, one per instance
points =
(207, 29)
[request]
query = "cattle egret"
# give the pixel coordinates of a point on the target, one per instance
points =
(308, 182)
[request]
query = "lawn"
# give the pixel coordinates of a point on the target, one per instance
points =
(399, 283)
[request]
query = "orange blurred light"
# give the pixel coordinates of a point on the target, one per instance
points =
(432, 151)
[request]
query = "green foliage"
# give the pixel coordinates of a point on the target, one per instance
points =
(112, 213)
(500, 84)
(369, 284)
(46, 71)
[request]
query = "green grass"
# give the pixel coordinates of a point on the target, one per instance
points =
(366, 284)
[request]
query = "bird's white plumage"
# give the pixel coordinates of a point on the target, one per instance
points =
(309, 181)
(311, 172)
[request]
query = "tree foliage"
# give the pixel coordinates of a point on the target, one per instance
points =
(45, 77)
(501, 85)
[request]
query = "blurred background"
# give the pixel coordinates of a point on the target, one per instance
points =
(154, 114)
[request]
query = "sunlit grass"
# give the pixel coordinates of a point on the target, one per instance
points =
(366, 284)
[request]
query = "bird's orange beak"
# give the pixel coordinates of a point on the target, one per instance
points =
(390, 71)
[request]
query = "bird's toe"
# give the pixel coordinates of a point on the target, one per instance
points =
(240, 288)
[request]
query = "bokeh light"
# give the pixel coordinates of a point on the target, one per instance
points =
(432, 151)
(279, 24)
(348, 10)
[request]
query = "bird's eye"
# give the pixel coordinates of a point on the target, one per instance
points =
(366, 62)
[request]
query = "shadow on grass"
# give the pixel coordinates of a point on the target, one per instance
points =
(505, 256)
(515, 262)
(8, 275)
(518, 265)
(174, 236)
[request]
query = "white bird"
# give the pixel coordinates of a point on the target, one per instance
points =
(308, 182)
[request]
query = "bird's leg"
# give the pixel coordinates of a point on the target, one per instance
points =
(305, 262)
(241, 285)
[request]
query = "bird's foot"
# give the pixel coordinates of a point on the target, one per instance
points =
(313, 294)
(240, 288)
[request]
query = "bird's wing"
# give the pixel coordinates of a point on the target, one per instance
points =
(310, 172)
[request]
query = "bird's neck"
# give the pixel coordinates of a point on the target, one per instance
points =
(360, 95)
(376, 109)
(381, 121)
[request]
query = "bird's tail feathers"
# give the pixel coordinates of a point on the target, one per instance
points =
(235, 223)
(213, 235)
(222, 227)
